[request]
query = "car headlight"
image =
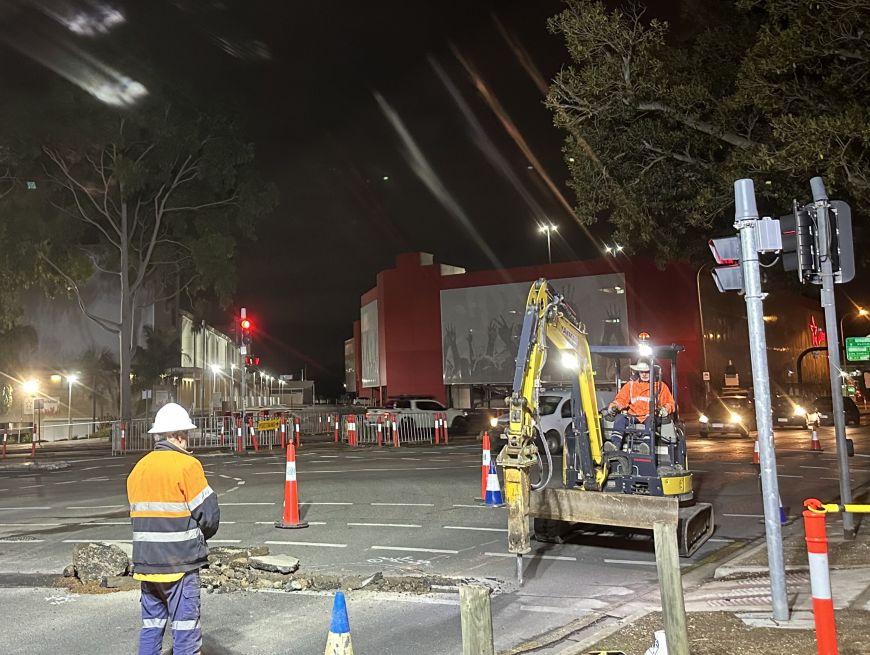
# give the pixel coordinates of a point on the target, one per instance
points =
(735, 417)
(493, 422)
(703, 418)
(799, 411)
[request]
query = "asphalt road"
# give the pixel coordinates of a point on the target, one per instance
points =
(410, 510)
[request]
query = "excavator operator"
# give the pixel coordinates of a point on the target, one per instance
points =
(634, 398)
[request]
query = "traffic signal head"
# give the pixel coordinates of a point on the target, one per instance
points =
(247, 327)
(246, 324)
(728, 276)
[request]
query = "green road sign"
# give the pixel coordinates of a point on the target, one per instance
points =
(858, 349)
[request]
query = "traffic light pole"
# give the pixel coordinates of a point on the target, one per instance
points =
(820, 199)
(745, 220)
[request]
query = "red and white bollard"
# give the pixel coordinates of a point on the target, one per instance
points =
(380, 431)
(395, 430)
(444, 434)
(291, 520)
(4, 444)
(240, 444)
(820, 581)
(437, 428)
(283, 432)
(337, 428)
(298, 430)
(484, 466)
(253, 434)
(123, 438)
(815, 444)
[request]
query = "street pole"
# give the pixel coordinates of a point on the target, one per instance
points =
(820, 198)
(703, 335)
(745, 220)
(549, 254)
(69, 411)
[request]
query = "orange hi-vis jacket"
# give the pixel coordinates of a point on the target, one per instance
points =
(635, 396)
(173, 510)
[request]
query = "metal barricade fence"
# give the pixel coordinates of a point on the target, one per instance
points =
(388, 429)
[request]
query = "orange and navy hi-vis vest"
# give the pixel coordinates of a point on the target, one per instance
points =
(634, 395)
(173, 511)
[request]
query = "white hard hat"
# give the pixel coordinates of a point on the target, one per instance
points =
(171, 418)
(641, 367)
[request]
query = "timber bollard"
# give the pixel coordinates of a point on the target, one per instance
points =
(475, 612)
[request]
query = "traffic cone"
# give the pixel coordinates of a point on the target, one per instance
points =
(484, 466)
(755, 457)
(493, 490)
(291, 494)
(338, 642)
(815, 444)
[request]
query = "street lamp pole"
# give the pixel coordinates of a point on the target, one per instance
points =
(703, 332)
(548, 228)
(70, 380)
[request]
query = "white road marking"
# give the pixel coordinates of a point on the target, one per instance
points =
(746, 516)
(629, 561)
(21, 541)
(91, 468)
(107, 523)
(67, 482)
(552, 610)
(224, 541)
(557, 558)
(102, 541)
(823, 468)
(244, 504)
(273, 522)
(19, 525)
(325, 503)
(304, 543)
(850, 479)
(330, 456)
(94, 506)
(416, 550)
(783, 475)
(386, 525)
(721, 540)
(32, 486)
(468, 527)
(471, 506)
(402, 504)
(20, 508)
(411, 459)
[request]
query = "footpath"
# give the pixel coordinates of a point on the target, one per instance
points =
(728, 603)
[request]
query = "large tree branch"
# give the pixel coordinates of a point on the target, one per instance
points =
(217, 203)
(110, 326)
(683, 157)
(175, 293)
(696, 124)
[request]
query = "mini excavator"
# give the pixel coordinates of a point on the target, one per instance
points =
(647, 468)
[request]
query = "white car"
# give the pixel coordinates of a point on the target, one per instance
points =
(554, 411)
(457, 419)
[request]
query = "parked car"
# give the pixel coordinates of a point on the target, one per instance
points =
(554, 410)
(409, 407)
(727, 415)
(790, 412)
(823, 406)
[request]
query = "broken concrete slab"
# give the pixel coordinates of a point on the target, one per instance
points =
(274, 563)
(94, 561)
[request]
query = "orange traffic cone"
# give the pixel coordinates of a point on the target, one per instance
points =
(755, 457)
(484, 466)
(815, 444)
(291, 494)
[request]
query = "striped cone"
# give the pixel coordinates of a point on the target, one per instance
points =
(291, 495)
(338, 642)
(493, 490)
(484, 466)
(815, 444)
(755, 457)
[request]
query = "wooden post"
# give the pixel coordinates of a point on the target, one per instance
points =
(671, 584)
(475, 613)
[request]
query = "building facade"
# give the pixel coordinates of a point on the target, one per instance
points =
(435, 330)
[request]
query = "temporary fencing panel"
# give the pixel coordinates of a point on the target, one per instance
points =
(390, 429)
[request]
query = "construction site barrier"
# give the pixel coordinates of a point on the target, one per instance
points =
(378, 429)
(820, 579)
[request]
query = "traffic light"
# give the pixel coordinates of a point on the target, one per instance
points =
(800, 247)
(247, 327)
(842, 250)
(728, 276)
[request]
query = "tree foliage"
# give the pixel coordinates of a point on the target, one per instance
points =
(659, 127)
(156, 197)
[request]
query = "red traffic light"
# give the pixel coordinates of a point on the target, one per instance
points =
(246, 324)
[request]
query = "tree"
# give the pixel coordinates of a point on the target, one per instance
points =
(660, 126)
(150, 363)
(17, 345)
(156, 197)
(99, 371)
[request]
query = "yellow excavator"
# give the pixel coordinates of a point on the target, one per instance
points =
(646, 467)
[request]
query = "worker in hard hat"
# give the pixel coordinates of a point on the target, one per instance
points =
(174, 511)
(631, 405)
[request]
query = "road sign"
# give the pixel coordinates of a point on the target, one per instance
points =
(857, 349)
(706, 376)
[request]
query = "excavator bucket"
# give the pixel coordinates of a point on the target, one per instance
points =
(695, 526)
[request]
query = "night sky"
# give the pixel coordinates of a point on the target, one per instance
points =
(351, 93)
(327, 143)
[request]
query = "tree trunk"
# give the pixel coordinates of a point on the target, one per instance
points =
(126, 335)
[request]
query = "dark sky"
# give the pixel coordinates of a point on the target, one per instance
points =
(327, 143)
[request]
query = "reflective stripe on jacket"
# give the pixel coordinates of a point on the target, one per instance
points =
(173, 511)
(635, 396)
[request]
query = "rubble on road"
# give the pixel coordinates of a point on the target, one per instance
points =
(94, 561)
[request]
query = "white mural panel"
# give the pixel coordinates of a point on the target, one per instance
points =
(368, 316)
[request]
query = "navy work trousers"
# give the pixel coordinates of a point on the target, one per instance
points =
(621, 422)
(175, 603)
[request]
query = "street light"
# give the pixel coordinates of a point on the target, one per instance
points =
(215, 369)
(614, 250)
(861, 312)
(70, 380)
(548, 228)
(30, 386)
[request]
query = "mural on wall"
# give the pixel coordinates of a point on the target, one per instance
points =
(480, 326)
(371, 372)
